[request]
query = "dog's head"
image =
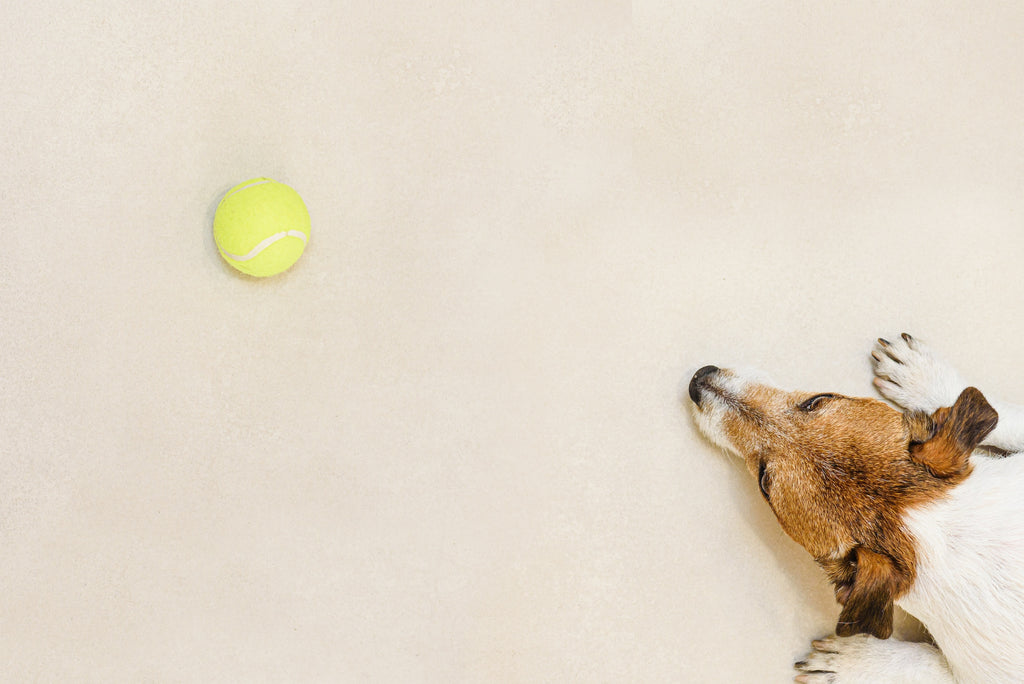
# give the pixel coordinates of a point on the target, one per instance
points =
(839, 471)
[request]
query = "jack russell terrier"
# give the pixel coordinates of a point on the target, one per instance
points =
(921, 508)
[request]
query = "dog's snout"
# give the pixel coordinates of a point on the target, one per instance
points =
(697, 380)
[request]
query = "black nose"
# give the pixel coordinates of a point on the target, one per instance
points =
(698, 377)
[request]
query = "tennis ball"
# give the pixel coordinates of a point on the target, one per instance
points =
(261, 227)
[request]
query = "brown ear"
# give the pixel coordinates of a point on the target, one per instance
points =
(957, 431)
(869, 599)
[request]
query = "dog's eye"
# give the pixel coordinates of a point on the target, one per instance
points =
(763, 480)
(815, 402)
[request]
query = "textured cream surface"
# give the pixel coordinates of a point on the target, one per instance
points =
(450, 445)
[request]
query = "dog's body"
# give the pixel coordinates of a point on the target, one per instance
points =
(898, 508)
(969, 590)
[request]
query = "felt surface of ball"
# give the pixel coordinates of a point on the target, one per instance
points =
(261, 227)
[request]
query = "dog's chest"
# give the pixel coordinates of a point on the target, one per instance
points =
(969, 589)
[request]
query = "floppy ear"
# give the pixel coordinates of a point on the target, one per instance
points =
(869, 598)
(957, 430)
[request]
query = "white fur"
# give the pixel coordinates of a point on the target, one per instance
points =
(714, 404)
(969, 589)
(909, 374)
(864, 658)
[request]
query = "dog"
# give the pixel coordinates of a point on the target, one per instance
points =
(921, 508)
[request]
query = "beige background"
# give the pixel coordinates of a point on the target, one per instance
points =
(449, 445)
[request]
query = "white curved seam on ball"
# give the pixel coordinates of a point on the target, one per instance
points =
(255, 251)
(262, 181)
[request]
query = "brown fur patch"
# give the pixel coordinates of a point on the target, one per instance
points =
(840, 471)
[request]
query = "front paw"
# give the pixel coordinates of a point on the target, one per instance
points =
(831, 659)
(863, 659)
(910, 375)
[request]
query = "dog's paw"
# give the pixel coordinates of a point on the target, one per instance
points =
(841, 660)
(910, 375)
(863, 659)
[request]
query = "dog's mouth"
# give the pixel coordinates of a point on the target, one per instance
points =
(715, 394)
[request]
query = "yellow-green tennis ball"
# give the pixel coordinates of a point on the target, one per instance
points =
(261, 227)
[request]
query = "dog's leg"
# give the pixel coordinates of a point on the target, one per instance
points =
(912, 376)
(863, 659)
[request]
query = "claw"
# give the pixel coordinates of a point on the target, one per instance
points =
(886, 347)
(823, 645)
(911, 342)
